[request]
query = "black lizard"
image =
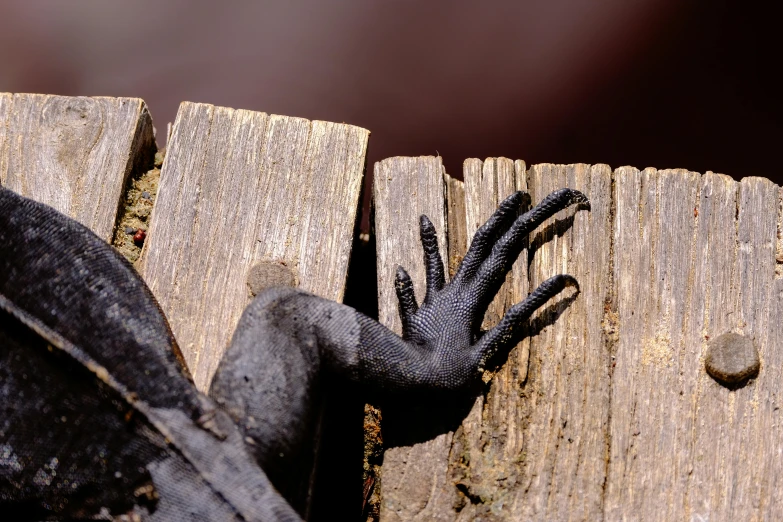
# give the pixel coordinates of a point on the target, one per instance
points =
(100, 417)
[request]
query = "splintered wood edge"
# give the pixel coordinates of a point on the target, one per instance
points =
(238, 188)
(74, 153)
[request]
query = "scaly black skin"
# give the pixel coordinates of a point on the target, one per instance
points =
(86, 347)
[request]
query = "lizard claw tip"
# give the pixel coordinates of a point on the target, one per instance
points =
(569, 280)
(579, 197)
(424, 222)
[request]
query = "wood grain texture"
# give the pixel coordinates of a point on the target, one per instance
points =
(563, 468)
(484, 452)
(616, 418)
(403, 189)
(237, 188)
(604, 412)
(457, 224)
(534, 447)
(74, 154)
(696, 258)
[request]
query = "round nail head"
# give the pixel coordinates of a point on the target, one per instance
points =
(732, 358)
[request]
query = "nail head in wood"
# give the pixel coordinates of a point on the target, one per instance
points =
(732, 358)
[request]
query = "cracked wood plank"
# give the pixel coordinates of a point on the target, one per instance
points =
(237, 188)
(568, 387)
(533, 447)
(74, 153)
(473, 464)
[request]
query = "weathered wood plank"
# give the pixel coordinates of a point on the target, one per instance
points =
(618, 419)
(605, 412)
(74, 154)
(696, 258)
(239, 188)
(511, 458)
(738, 437)
(457, 225)
(564, 443)
(653, 239)
(403, 189)
(486, 443)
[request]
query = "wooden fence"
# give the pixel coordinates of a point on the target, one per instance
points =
(605, 413)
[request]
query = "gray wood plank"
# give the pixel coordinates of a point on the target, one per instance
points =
(74, 154)
(616, 418)
(564, 422)
(239, 188)
(653, 241)
(403, 189)
(499, 460)
(457, 224)
(696, 258)
(486, 445)
(604, 413)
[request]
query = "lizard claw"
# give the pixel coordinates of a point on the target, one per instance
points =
(406, 299)
(432, 260)
(447, 324)
(508, 331)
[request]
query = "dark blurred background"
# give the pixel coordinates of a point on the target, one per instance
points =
(663, 83)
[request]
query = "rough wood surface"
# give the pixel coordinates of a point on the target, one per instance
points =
(472, 463)
(604, 412)
(695, 259)
(510, 459)
(403, 189)
(614, 416)
(563, 465)
(238, 188)
(457, 231)
(74, 154)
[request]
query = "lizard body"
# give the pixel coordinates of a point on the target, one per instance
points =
(100, 416)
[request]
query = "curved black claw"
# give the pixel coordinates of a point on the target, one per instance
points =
(492, 272)
(444, 330)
